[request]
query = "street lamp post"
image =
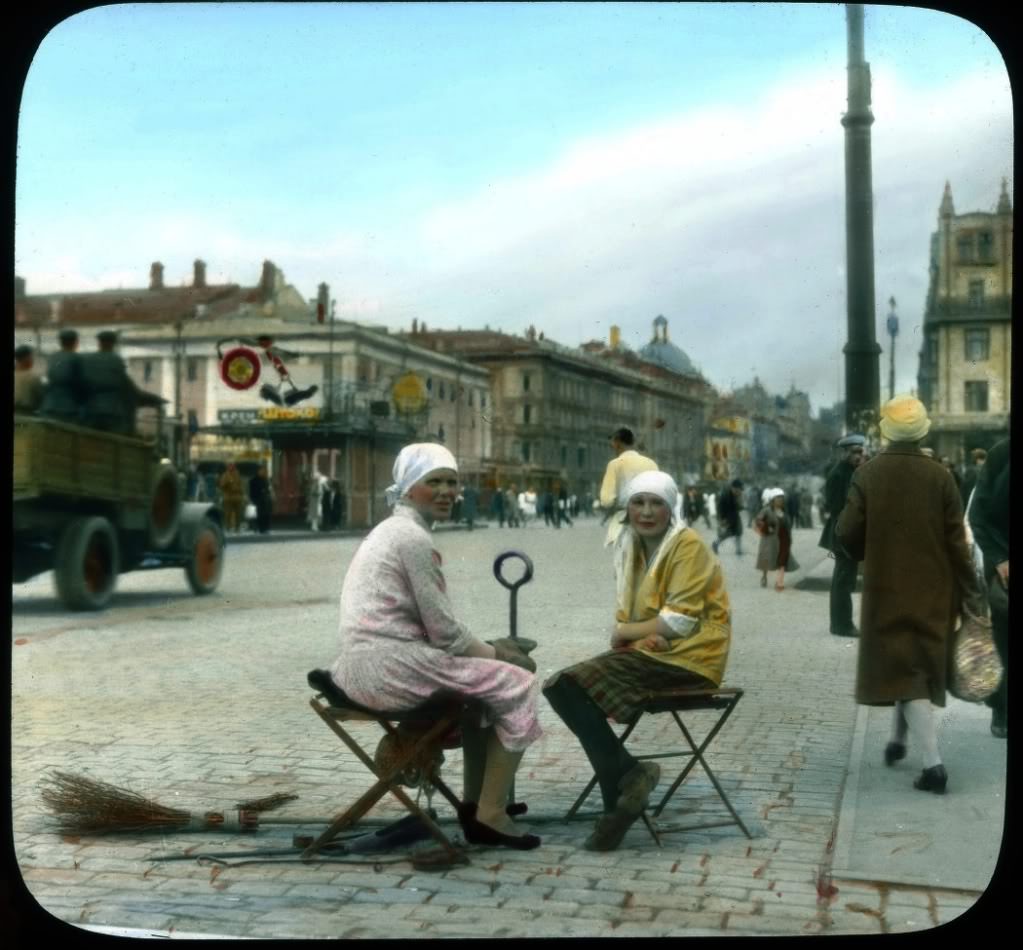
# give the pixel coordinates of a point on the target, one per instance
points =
(893, 332)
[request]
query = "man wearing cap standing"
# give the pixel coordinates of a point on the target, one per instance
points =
(28, 386)
(843, 578)
(63, 396)
(111, 396)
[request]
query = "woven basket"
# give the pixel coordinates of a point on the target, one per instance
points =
(977, 668)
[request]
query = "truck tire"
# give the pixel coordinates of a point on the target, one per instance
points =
(87, 562)
(206, 558)
(164, 506)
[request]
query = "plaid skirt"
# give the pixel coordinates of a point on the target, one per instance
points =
(617, 680)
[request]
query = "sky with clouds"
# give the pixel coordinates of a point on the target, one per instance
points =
(570, 166)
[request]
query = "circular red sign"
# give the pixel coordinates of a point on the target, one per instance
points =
(240, 368)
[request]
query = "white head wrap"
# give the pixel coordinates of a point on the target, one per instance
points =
(413, 464)
(771, 493)
(626, 547)
(904, 419)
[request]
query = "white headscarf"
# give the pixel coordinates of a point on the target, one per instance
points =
(628, 544)
(413, 464)
(770, 494)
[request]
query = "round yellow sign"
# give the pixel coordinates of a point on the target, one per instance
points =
(409, 393)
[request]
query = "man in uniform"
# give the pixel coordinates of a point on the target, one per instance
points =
(625, 466)
(111, 396)
(28, 386)
(843, 578)
(63, 396)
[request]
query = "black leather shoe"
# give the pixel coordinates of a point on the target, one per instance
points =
(894, 752)
(933, 779)
(851, 632)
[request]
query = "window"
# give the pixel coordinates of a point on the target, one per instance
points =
(976, 396)
(441, 390)
(526, 413)
(525, 382)
(469, 397)
(483, 400)
(964, 247)
(978, 345)
(147, 371)
(976, 298)
(580, 456)
(525, 451)
(193, 370)
(932, 351)
(986, 247)
(564, 456)
(429, 384)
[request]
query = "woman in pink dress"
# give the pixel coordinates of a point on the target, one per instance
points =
(401, 643)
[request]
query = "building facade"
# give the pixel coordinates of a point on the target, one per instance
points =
(554, 409)
(965, 373)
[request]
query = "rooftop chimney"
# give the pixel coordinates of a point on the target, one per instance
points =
(156, 276)
(266, 282)
(616, 337)
(199, 274)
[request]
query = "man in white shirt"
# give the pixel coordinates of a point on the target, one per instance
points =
(625, 466)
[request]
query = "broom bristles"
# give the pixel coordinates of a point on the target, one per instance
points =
(86, 806)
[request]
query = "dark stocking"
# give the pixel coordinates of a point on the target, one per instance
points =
(589, 723)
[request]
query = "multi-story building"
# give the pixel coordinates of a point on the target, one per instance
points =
(374, 391)
(555, 407)
(965, 371)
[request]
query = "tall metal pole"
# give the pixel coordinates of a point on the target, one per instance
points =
(178, 428)
(893, 332)
(862, 352)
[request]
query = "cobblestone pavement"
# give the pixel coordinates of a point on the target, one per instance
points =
(202, 702)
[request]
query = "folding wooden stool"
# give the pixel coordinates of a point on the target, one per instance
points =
(679, 702)
(441, 715)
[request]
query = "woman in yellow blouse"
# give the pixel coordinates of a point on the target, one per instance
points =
(672, 630)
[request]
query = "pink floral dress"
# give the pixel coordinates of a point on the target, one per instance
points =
(401, 643)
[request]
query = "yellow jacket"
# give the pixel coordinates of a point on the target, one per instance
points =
(686, 580)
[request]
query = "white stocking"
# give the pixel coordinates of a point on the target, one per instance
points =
(920, 717)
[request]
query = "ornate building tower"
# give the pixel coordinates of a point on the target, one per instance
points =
(964, 375)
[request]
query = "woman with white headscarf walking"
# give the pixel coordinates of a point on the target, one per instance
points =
(672, 630)
(903, 518)
(401, 643)
(775, 529)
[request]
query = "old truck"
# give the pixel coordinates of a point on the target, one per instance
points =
(90, 505)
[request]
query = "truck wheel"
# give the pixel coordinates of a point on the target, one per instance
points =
(164, 506)
(206, 561)
(87, 563)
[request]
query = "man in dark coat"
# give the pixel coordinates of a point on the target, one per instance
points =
(28, 385)
(729, 518)
(970, 477)
(261, 495)
(111, 396)
(63, 396)
(989, 520)
(903, 518)
(843, 577)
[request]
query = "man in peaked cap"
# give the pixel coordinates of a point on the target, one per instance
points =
(64, 394)
(843, 578)
(28, 386)
(111, 396)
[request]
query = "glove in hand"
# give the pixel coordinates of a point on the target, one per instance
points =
(515, 652)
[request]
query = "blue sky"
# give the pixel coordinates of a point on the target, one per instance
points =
(571, 166)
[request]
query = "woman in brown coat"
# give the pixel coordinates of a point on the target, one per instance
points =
(904, 519)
